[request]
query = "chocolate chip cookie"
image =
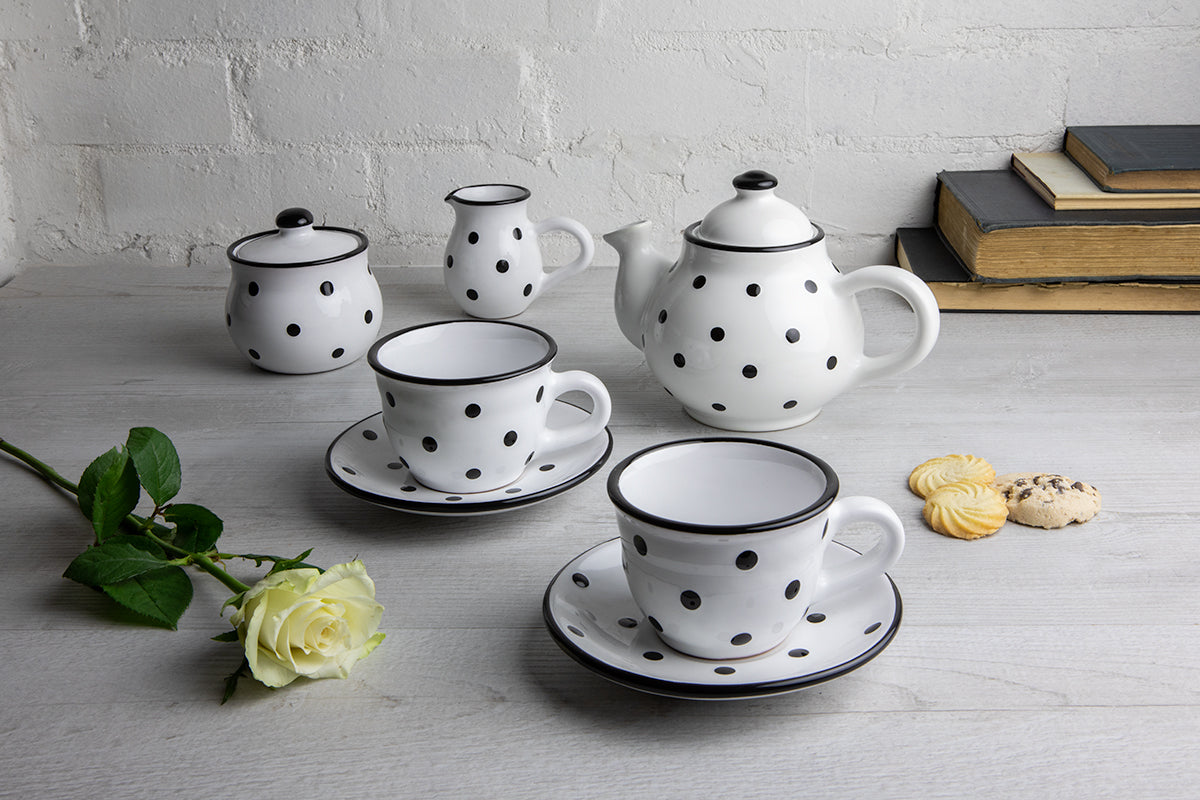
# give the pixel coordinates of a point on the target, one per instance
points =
(1047, 500)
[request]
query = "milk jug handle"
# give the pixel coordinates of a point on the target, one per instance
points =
(587, 249)
(918, 296)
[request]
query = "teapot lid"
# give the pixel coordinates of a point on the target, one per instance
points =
(754, 219)
(297, 243)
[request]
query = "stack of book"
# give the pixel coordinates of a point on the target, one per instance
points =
(1110, 223)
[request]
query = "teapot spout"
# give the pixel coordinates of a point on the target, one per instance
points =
(639, 269)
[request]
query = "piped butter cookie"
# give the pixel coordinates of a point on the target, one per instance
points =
(947, 469)
(1047, 500)
(965, 510)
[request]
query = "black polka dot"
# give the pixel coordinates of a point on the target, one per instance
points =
(639, 544)
(391, 400)
(368, 316)
(724, 670)
(679, 360)
(741, 639)
(253, 289)
(293, 330)
(814, 618)
(831, 363)
(528, 290)
(338, 353)
(453, 498)
(690, 600)
(473, 474)
(502, 266)
(370, 435)
(627, 622)
(472, 410)
(655, 624)
(810, 287)
(652, 655)
(472, 237)
(430, 444)
(546, 467)
(799, 652)
(575, 631)
(517, 233)
(472, 294)
(228, 321)
(790, 404)
(540, 392)
(792, 335)
(408, 488)
(717, 334)
(395, 465)
(874, 626)
(792, 590)
(513, 490)
(746, 559)
(510, 438)
(753, 290)
(662, 316)
(699, 282)
(718, 406)
(449, 262)
(327, 288)
(254, 354)
(750, 371)
(349, 471)
(529, 458)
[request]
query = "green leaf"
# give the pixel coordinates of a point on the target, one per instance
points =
(157, 463)
(197, 528)
(231, 680)
(227, 636)
(108, 491)
(111, 562)
(161, 595)
(293, 563)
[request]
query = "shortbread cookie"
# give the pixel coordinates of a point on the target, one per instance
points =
(1047, 500)
(965, 510)
(946, 469)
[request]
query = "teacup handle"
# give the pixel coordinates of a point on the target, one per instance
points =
(919, 298)
(871, 564)
(576, 380)
(587, 249)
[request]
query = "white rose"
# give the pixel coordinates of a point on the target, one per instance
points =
(306, 622)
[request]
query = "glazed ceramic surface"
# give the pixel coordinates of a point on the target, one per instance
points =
(466, 402)
(753, 328)
(724, 541)
(361, 461)
(302, 298)
(493, 263)
(593, 618)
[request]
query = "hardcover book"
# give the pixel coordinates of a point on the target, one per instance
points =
(1003, 231)
(1065, 187)
(1138, 158)
(923, 252)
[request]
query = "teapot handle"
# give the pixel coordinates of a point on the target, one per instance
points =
(587, 249)
(919, 298)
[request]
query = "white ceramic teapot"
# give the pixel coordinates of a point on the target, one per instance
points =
(753, 328)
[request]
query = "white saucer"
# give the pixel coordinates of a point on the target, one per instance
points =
(361, 461)
(592, 617)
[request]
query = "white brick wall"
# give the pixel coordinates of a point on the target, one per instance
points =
(158, 131)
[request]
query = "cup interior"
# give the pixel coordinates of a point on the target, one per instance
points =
(489, 194)
(737, 484)
(461, 351)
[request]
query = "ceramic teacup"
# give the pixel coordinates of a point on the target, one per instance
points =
(723, 540)
(465, 402)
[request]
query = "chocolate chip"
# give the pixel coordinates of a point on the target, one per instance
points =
(1024, 495)
(1077, 485)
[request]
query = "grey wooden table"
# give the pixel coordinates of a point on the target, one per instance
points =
(1029, 664)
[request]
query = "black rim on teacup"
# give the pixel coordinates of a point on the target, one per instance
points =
(621, 496)
(545, 351)
(489, 194)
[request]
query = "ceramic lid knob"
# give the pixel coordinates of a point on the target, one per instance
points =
(755, 217)
(293, 218)
(297, 242)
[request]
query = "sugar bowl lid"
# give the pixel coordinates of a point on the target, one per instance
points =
(754, 219)
(297, 243)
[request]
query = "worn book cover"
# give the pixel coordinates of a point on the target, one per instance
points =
(923, 252)
(1066, 187)
(1003, 231)
(1138, 158)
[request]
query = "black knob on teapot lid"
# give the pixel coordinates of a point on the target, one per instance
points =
(293, 218)
(755, 179)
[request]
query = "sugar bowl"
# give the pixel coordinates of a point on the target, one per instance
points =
(302, 298)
